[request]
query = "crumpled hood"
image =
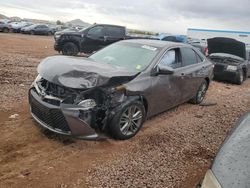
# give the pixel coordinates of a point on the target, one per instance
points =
(226, 45)
(81, 73)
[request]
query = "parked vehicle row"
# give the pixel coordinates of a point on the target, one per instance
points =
(38, 29)
(26, 28)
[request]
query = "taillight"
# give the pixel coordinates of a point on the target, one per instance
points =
(206, 51)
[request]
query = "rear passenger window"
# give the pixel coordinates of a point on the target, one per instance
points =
(199, 59)
(189, 57)
(115, 31)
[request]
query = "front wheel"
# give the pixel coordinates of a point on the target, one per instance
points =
(6, 30)
(128, 121)
(240, 77)
(70, 49)
(200, 95)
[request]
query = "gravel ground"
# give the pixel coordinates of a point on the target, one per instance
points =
(174, 149)
(180, 147)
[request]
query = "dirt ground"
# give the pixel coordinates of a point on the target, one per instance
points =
(173, 149)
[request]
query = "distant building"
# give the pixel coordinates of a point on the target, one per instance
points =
(204, 34)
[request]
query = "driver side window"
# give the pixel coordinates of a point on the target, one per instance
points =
(96, 32)
(172, 58)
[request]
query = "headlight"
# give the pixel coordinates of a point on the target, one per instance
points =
(87, 104)
(231, 68)
(57, 36)
(120, 88)
(38, 78)
(210, 181)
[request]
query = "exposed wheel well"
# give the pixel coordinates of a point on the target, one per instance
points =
(75, 43)
(208, 81)
(145, 103)
(244, 71)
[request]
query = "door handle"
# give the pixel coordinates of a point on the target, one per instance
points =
(105, 38)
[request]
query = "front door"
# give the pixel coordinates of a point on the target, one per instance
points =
(94, 39)
(167, 89)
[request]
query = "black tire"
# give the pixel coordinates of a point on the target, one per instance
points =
(49, 33)
(240, 77)
(6, 30)
(32, 32)
(70, 49)
(130, 128)
(200, 95)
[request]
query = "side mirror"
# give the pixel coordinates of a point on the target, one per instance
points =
(164, 69)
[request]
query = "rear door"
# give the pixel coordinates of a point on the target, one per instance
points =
(193, 72)
(114, 34)
(94, 39)
(248, 63)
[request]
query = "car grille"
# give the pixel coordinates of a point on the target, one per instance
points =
(219, 68)
(55, 90)
(51, 117)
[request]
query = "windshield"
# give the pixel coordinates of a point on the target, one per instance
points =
(134, 57)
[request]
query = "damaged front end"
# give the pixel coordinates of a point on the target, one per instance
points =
(82, 113)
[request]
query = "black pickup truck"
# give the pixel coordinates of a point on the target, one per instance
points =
(90, 39)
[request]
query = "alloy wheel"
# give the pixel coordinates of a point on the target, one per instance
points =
(241, 77)
(130, 120)
(202, 92)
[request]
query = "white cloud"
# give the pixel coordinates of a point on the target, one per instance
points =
(154, 15)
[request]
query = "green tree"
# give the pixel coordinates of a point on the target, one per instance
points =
(58, 22)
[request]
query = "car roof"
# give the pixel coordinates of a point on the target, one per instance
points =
(155, 43)
(108, 25)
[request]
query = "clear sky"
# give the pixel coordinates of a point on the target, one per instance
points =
(171, 16)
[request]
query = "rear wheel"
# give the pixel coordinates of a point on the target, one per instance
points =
(128, 121)
(70, 49)
(49, 33)
(240, 77)
(6, 30)
(200, 95)
(32, 32)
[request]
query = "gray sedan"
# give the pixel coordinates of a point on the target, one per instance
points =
(116, 89)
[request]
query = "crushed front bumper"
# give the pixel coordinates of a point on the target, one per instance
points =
(57, 46)
(64, 119)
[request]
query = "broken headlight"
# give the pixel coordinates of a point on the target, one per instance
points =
(210, 181)
(231, 68)
(87, 104)
(38, 78)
